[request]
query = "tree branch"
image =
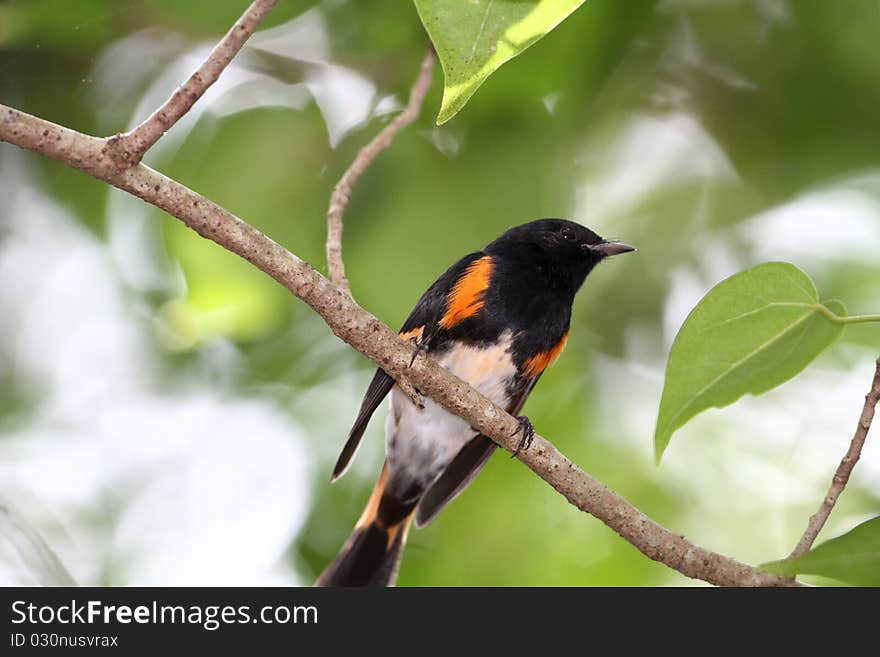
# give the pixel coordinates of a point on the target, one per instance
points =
(127, 149)
(365, 157)
(844, 470)
(380, 344)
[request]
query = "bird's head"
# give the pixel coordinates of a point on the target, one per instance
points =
(565, 250)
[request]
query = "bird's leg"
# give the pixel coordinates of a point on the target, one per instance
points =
(416, 397)
(527, 429)
(418, 347)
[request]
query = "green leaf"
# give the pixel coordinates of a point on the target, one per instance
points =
(750, 333)
(853, 558)
(474, 37)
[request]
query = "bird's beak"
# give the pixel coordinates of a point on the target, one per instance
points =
(606, 249)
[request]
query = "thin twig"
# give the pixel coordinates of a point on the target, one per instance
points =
(127, 149)
(342, 191)
(844, 470)
(380, 344)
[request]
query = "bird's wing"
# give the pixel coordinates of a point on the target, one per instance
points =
(422, 326)
(465, 466)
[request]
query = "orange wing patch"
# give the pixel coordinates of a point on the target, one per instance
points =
(544, 359)
(415, 334)
(466, 297)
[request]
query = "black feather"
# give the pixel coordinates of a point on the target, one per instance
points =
(366, 559)
(376, 391)
(457, 475)
(426, 315)
(430, 307)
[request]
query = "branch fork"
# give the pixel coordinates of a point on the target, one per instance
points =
(127, 149)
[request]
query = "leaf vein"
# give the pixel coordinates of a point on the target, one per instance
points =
(735, 365)
(480, 31)
(770, 304)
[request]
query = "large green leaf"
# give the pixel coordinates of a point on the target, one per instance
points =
(474, 37)
(853, 558)
(750, 333)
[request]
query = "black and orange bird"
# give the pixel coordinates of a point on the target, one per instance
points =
(497, 319)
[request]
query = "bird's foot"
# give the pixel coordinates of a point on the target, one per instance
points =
(527, 431)
(418, 347)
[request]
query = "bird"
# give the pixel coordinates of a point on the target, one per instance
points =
(497, 319)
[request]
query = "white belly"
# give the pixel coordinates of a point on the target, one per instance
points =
(421, 442)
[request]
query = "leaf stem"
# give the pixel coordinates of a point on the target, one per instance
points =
(859, 319)
(852, 319)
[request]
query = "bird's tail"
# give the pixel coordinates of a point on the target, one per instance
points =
(371, 555)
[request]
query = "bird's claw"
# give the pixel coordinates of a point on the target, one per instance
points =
(527, 431)
(418, 347)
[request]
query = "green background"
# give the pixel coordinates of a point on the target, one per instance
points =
(711, 135)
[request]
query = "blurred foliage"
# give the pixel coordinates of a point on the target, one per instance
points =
(670, 125)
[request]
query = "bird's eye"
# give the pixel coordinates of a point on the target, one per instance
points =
(567, 233)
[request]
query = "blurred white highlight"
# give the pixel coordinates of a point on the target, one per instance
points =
(126, 481)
